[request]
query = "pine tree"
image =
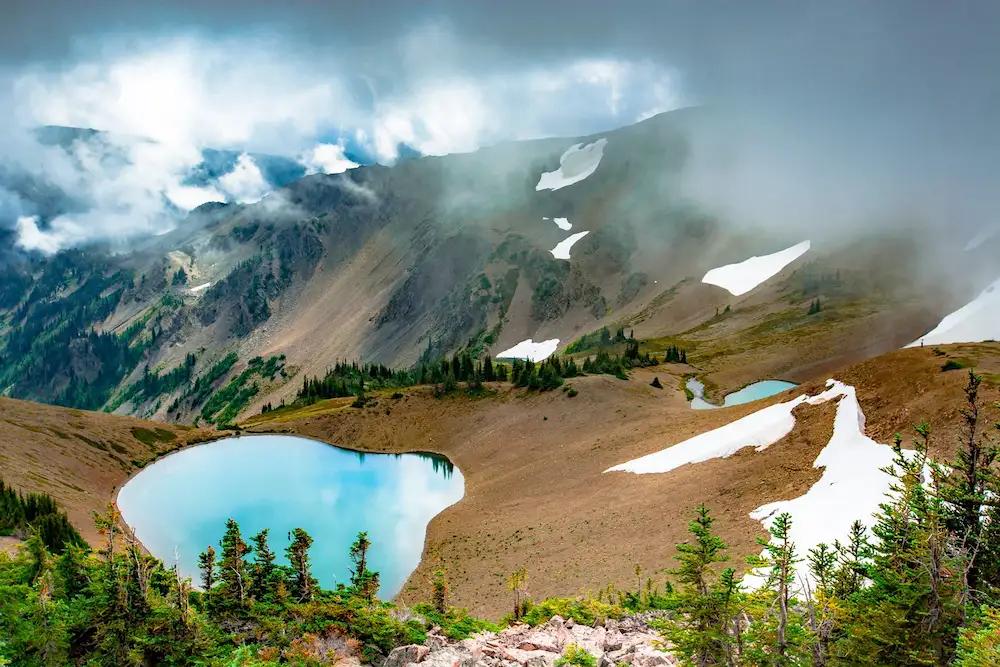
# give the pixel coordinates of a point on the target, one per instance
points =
(364, 582)
(822, 562)
(966, 486)
(235, 581)
(72, 570)
(702, 599)
(911, 611)
(206, 564)
(302, 584)
(263, 570)
(851, 565)
(778, 631)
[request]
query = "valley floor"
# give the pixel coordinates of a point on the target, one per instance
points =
(536, 494)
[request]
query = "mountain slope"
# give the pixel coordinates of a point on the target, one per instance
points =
(534, 463)
(80, 458)
(534, 466)
(435, 255)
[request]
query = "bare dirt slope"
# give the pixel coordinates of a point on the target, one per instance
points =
(536, 495)
(80, 458)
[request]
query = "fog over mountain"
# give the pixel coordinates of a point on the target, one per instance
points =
(829, 116)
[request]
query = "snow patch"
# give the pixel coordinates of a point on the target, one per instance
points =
(200, 288)
(852, 484)
(743, 276)
(759, 430)
(562, 223)
(851, 488)
(561, 251)
(984, 235)
(974, 322)
(529, 349)
(576, 164)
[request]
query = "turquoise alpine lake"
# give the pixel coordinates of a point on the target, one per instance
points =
(178, 505)
(751, 392)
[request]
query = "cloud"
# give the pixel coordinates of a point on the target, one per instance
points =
(567, 98)
(30, 237)
(184, 91)
(165, 99)
(327, 159)
(245, 183)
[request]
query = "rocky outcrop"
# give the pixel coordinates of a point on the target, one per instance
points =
(629, 641)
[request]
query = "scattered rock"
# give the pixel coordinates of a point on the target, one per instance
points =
(403, 655)
(629, 641)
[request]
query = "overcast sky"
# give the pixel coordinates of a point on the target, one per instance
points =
(907, 93)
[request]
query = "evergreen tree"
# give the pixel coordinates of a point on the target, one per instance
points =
(302, 584)
(778, 635)
(72, 570)
(206, 564)
(364, 582)
(702, 598)
(263, 570)
(233, 575)
(911, 611)
(966, 487)
(822, 562)
(851, 562)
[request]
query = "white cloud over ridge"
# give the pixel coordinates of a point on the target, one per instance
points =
(245, 184)
(184, 93)
(326, 159)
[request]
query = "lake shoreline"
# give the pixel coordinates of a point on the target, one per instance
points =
(355, 485)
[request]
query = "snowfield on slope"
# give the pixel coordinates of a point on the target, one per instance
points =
(529, 349)
(200, 288)
(852, 484)
(562, 223)
(974, 322)
(577, 163)
(984, 235)
(743, 276)
(561, 251)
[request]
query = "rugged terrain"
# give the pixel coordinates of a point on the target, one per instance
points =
(537, 496)
(629, 641)
(440, 254)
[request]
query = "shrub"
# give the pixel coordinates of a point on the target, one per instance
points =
(577, 656)
(456, 624)
(586, 611)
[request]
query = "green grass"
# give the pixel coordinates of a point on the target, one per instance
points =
(152, 437)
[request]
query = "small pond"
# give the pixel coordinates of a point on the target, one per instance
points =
(179, 505)
(751, 392)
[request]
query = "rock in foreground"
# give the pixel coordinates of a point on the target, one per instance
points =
(629, 641)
